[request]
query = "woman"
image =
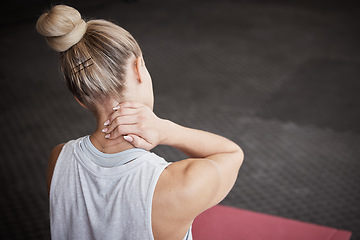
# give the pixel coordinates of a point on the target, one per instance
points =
(108, 185)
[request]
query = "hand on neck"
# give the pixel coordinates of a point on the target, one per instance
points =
(109, 146)
(98, 139)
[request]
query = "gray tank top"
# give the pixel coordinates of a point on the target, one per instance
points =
(94, 195)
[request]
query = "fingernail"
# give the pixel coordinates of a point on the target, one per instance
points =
(116, 108)
(107, 122)
(107, 135)
(128, 138)
(104, 130)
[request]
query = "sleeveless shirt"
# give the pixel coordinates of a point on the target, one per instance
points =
(94, 195)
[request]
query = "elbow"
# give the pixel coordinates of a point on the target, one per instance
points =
(237, 155)
(240, 156)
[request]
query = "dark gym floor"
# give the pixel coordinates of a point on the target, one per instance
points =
(280, 78)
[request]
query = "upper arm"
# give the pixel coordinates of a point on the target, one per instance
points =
(212, 178)
(228, 166)
(54, 154)
(180, 195)
(194, 185)
(201, 183)
(188, 187)
(206, 183)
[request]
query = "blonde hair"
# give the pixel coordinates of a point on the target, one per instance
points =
(93, 54)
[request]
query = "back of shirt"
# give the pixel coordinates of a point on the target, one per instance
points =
(88, 201)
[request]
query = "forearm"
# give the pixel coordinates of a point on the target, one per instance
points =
(145, 130)
(196, 143)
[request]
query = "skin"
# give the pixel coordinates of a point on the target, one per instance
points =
(185, 188)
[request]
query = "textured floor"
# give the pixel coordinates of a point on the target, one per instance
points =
(281, 78)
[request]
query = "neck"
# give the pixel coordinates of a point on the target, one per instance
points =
(105, 145)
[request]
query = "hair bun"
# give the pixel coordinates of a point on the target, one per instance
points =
(62, 27)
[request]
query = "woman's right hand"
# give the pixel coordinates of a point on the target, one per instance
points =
(137, 124)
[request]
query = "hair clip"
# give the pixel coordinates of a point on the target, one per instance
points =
(87, 63)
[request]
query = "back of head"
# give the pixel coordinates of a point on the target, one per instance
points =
(93, 54)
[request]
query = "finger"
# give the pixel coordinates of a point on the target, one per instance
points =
(138, 142)
(119, 131)
(121, 120)
(128, 104)
(120, 112)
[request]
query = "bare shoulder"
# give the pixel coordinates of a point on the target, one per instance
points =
(184, 190)
(54, 154)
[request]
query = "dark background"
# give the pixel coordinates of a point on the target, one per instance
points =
(280, 78)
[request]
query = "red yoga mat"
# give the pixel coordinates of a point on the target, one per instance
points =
(228, 223)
